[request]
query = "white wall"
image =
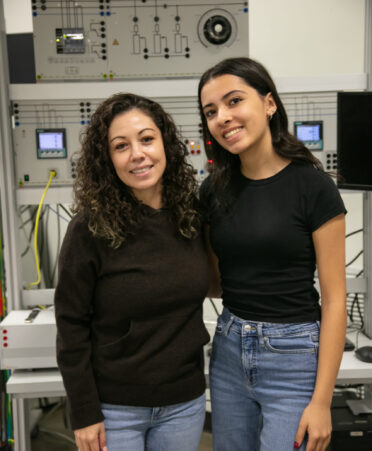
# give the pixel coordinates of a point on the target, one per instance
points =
(354, 221)
(308, 37)
(18, 17)
(290, 37)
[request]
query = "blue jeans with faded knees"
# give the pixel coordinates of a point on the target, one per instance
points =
(262, 376)
(177, 427)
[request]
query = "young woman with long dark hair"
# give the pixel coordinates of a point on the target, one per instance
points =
(273, 215)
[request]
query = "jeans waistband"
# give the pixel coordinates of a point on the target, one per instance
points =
(265, 328)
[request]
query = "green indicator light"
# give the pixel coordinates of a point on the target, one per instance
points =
(26, 178)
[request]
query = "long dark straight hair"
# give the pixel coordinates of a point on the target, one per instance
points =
(225, 164)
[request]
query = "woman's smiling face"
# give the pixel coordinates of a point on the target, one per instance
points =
(237, 115)
(137, 153)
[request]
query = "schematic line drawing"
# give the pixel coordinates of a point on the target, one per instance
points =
(114, 40)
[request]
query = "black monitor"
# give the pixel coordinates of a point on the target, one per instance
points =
(354, 140)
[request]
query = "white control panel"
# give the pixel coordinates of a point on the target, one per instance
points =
(122, 39)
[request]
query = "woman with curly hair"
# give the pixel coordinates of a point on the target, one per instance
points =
(132, 278)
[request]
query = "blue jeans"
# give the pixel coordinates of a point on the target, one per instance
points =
(262, 376)
(177, 427)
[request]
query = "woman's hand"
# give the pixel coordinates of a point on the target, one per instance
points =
(91, 438)
(316, 421)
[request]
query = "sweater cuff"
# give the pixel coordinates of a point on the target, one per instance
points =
(85, 415)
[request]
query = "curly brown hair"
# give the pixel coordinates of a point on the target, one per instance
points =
(111, 209)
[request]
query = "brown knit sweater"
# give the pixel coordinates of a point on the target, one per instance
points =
(129, 320)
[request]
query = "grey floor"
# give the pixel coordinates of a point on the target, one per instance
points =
(51, 434)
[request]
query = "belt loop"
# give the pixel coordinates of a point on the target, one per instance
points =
(260, 334)
(228, 325)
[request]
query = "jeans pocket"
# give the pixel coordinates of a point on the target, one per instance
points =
(294, 344)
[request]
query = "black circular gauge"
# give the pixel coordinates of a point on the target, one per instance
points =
(217, 30)
(217, 27)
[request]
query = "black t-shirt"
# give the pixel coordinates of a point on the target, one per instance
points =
(264, 242)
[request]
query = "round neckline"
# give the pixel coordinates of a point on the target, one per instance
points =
(270, 179)
(153, 211)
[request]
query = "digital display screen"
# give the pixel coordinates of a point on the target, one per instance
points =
(354, 140)
(310, 133)
(51, 143)
(70, 40)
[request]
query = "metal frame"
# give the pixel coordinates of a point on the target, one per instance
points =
(368, 44)
(10, 227)
(367, 246)
(367, 197)
(21, 418)
(7, 182)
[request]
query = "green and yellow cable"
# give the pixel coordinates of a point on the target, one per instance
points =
(9, 414)
(52, 174)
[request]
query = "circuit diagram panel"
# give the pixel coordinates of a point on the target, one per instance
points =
(47, 134)
(316, 106)
(135, 39)
(57, 119)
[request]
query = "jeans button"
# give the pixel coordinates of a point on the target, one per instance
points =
(247, 327)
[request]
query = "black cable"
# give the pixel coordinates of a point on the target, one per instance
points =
(41, 244)
(46, 265)
(357, 304)
(353, 233)
(32, 215)
(58, 245)
(65, 210)
(355, 258)
(352, 307)
(32, 218)
(214, 306)
(23, 208)
(360, 313)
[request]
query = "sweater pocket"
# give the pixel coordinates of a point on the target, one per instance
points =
(115, 347)
(152, 352)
